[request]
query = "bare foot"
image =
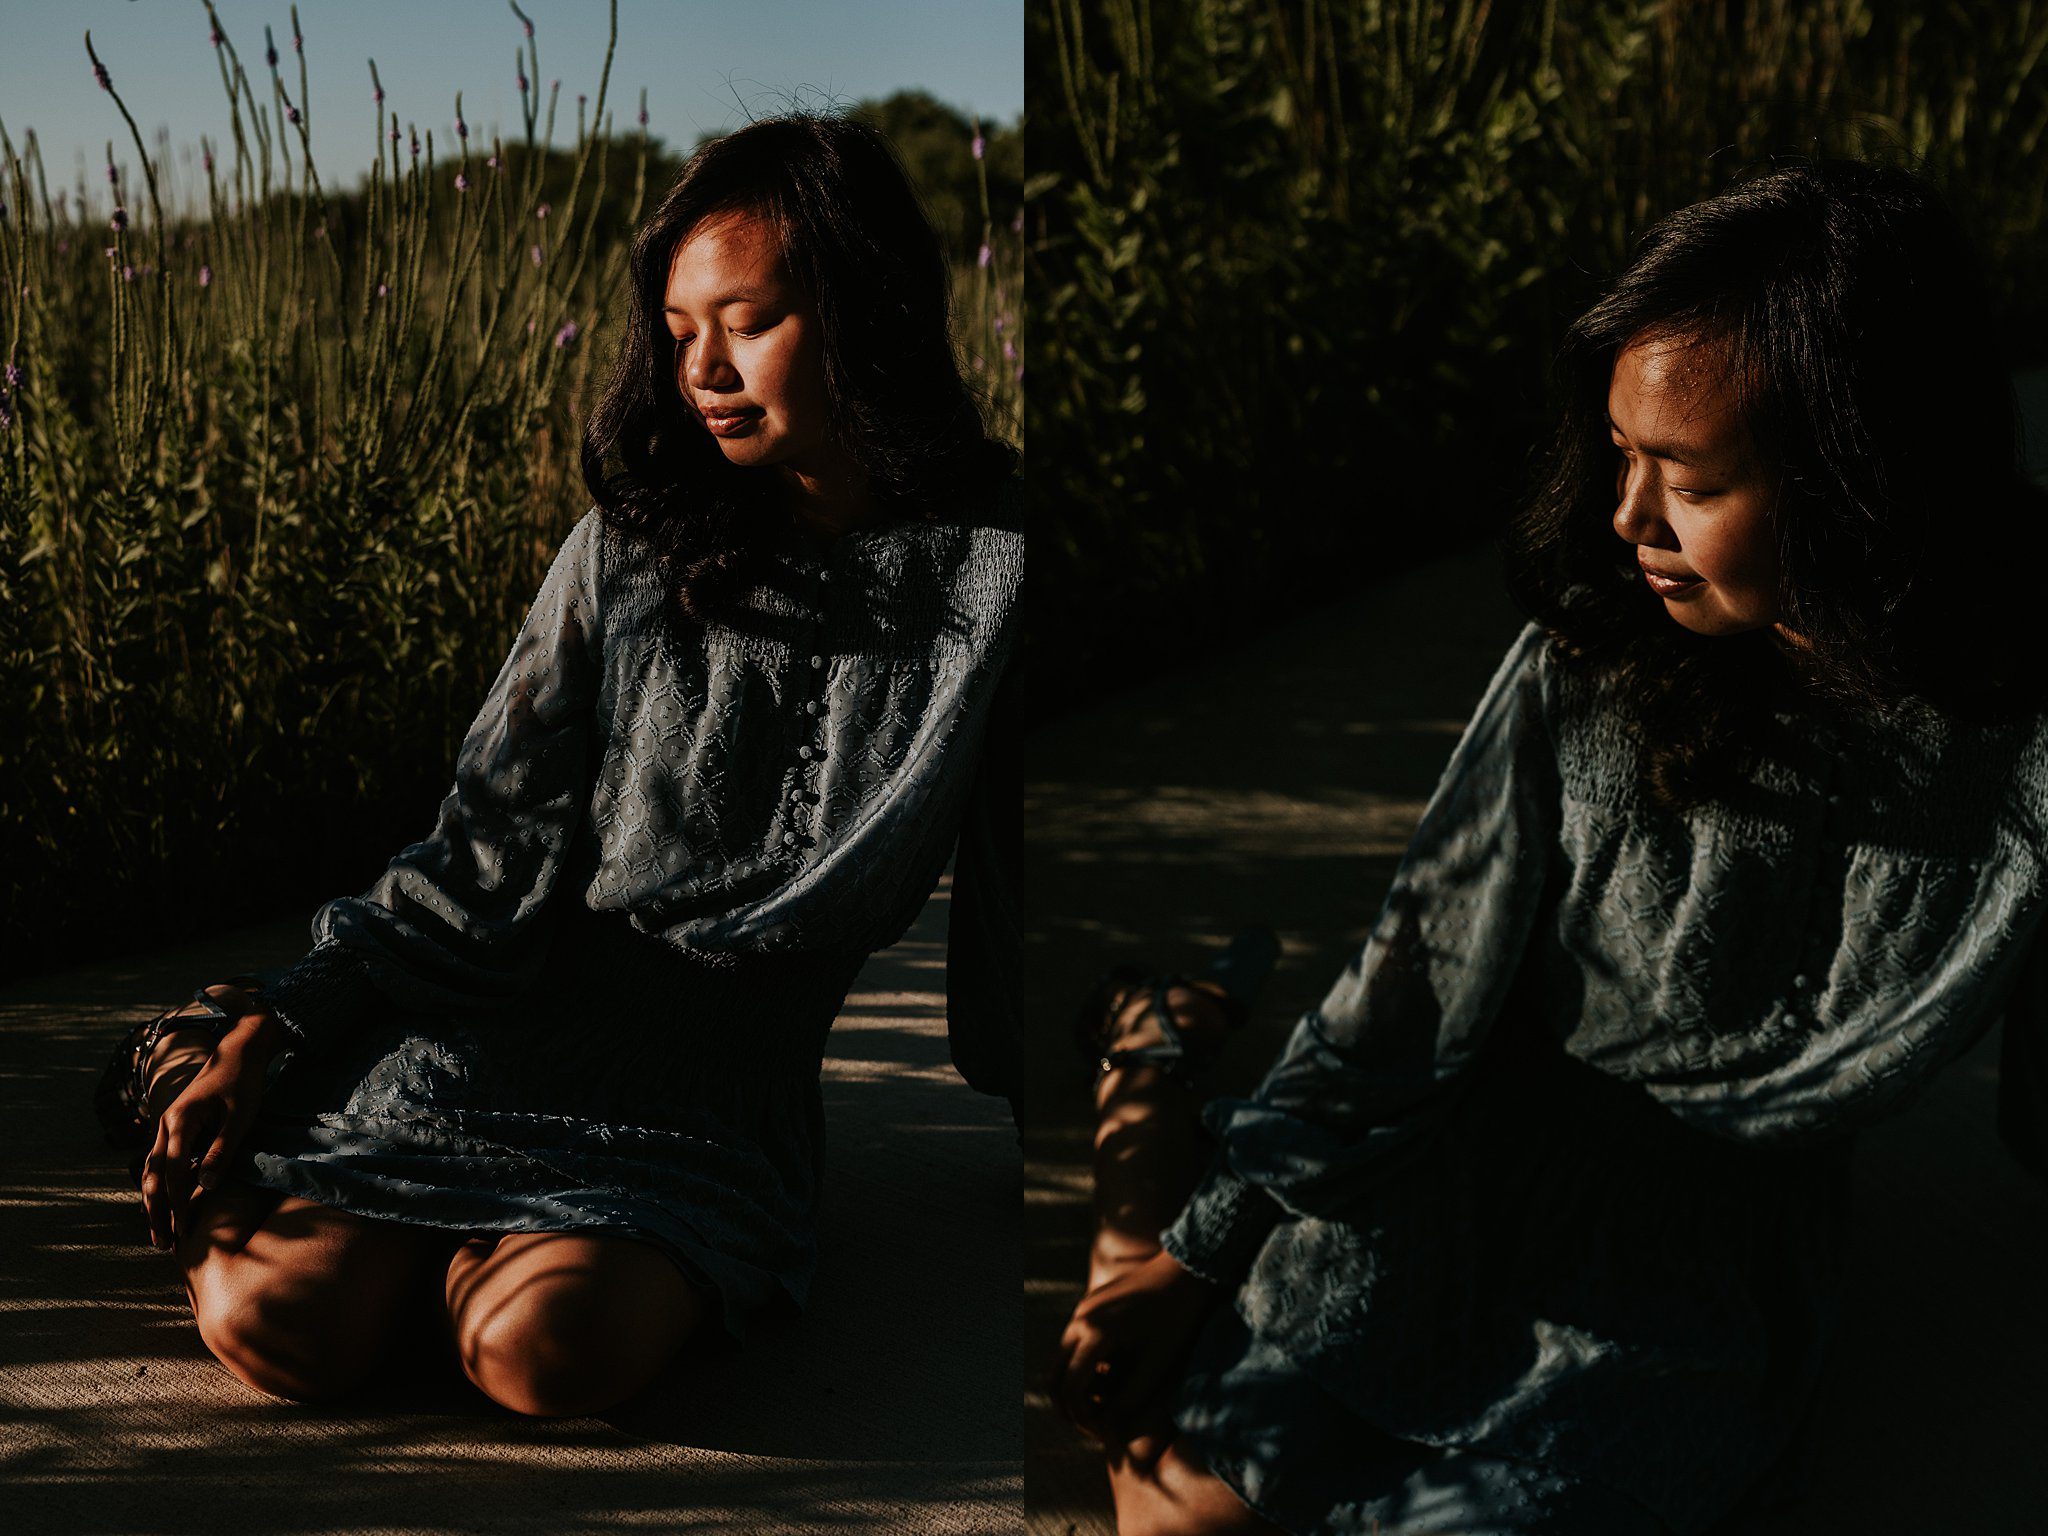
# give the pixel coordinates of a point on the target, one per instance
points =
(176, 1060)
(1147, 1156)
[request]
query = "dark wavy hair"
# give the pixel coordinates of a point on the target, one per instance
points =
(1860, 346)
(857, 240)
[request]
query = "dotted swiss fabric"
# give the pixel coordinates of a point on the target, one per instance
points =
(1557, 1172)
(597, 992)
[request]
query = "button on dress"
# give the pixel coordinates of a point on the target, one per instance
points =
(596, 995)
(1539, 1220)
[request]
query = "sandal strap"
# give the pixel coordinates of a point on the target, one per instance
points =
(1176, 1055)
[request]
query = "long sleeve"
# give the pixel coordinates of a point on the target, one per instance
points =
(984, 928)
(1376, 1067)
(455, 920)
(2023, 1065)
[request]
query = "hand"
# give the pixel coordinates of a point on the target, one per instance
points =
(1123, 1345)
(197, 1133)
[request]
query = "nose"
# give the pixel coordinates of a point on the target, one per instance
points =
(708, 366)
(1635, 510)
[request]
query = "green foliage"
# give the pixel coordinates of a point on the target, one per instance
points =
(279, 472)
(1297, 269)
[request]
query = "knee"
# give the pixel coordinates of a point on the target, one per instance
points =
(552, 1355)
(271, 1342)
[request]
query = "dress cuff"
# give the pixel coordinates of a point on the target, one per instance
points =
(1222, 1227)
(324, 996)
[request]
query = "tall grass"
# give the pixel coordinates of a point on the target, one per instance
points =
(280, 466)
(1302, 265)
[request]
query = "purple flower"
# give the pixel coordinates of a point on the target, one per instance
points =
(127, 274)
(298, 43)
(1017, 224)
(394, 130)
(6, 418)
(543, 210)
(1009, 351)
(492, 163)
(979, 146)
(377, 97)
(291, 114)
(566, 336)
(206, 277)
(984, 256)
(461, 182)
(383, 290)
(120, 218)
(213, 36)
(526, 24)
(523, 82)
(1018, 373)
(15, 377)
(999, 325)
(415, 143)
(113, 177)
(536, 262)
(206, 162)
(99, 73)
(461, 129)
(111, 253)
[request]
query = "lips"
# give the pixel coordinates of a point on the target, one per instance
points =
(729, 421)
(1667, 583)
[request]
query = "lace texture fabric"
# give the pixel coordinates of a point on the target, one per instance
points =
(1556, 1172)
(672, 848)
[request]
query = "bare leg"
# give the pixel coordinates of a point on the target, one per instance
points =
(1147, 1159)
(560, 1323)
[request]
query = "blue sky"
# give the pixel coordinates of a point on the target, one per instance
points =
(706, 64)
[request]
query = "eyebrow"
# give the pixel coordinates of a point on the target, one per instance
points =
(724, 299)
(1677, 453)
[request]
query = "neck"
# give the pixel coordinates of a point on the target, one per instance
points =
(831, 498)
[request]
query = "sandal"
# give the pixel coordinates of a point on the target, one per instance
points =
(1240, 970)
(120, 1102)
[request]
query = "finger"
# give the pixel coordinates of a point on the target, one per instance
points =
(1082, 1390)
(213, 1165)
(176, 1188)
(153, 1208)
(1144, 1448)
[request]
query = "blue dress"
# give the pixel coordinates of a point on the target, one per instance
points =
(1538, 1221)
(596, 995)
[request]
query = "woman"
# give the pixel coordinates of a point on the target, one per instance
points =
(1537, 1224)
(553, 1080)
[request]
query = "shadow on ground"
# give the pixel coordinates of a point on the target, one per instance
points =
(889, 1407)
(1280, 787)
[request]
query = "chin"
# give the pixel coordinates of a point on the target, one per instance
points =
(1712, 622)
(747, 453)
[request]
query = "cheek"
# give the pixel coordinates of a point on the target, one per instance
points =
(796, 373)
(1740, 555)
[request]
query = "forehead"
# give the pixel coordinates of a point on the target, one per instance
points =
(1676, 391)
(728, 255)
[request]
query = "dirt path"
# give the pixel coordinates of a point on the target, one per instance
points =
(1281, 787)
(878, 1412)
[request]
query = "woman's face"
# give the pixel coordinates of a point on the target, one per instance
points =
(1690, 494)
(749, 356)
